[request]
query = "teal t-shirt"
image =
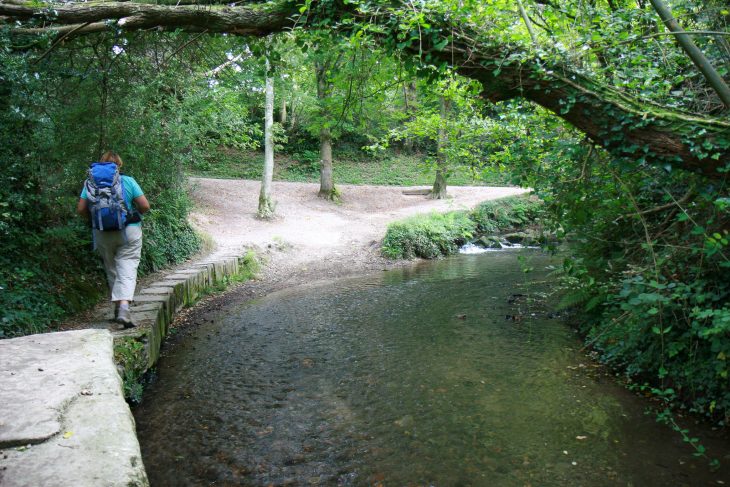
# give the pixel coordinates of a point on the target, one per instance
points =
(132, 190)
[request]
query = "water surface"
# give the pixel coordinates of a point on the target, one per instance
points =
(444, 374)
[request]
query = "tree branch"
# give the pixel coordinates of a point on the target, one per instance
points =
(61, 39)
(627, 127)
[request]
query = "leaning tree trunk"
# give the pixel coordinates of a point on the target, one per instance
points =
(626, 126)
(266, 204)
(439, 185)
(695, 54)
(327, 188)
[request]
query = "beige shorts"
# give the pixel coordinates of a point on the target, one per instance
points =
(121, 258)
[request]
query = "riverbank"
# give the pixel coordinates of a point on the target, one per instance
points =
(310, 240)
(313, 239)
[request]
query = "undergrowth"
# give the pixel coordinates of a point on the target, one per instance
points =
(247, 270)
(131, 357)
(350, 167)
(438, 234)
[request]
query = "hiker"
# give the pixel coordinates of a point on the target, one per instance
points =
(113, 202)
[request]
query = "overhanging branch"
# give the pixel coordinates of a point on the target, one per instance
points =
(627, 127)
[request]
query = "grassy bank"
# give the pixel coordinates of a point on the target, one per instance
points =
(351, 166)
(438, 234)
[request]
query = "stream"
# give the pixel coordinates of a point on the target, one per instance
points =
(447, 373)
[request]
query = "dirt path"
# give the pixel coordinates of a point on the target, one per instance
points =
(311, 238)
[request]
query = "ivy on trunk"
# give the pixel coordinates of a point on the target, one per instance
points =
(627, 127)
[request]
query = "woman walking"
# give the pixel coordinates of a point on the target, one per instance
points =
(113, 202)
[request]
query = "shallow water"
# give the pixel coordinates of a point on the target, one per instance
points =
(444, 374)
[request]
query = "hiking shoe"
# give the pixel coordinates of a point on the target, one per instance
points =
(124, 316)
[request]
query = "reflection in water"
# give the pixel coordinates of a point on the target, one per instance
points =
(441, 374)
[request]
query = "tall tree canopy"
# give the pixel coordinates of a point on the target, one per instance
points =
(438, 35)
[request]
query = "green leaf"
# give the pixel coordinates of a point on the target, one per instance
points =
(439, 46)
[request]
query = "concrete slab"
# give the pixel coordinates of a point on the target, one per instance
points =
(157, 290)
(178, 277)
(63, 419)
(61, 394)
(153, 306)
(187, 272)
(150, 298)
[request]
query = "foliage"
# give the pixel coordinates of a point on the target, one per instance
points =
(438, 234)
(649, 270)
(456, 138)
(428, 236)
(56, 119)
(130, 356)
(506, 214)
(353, 167)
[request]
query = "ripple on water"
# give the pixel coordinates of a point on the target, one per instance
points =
(441, 374)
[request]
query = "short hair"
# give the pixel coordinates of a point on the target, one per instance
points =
(111, 156)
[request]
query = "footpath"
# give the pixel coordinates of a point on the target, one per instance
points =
(64, 420)
(63, 417)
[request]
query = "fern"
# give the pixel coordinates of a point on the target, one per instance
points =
(574, 298)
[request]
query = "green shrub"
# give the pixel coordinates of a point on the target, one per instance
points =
(130, 355)
(47, 268)
(428, 236)
(506, 213)
(648, 274)
(436, 234)
(168, 237)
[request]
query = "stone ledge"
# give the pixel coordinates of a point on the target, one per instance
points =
(61, 393)
(155, 306)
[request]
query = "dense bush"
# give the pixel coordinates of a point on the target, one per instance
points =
(428, 236)
(502, 214)
(52, 125)
(437, 234)
(649, 271)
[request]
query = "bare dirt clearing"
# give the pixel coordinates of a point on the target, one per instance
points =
(312, 238)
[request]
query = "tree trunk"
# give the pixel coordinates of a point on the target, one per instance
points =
(410, 98)
(695, 54)
(527, 22)
(625, 126)
(439, 185)
(266, 204)
(293, 114)
(282, 113)
(326, 181)
(327, 188)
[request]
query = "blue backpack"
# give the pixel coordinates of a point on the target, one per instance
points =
(105, 197)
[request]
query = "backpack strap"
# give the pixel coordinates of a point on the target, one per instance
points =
(124, 207)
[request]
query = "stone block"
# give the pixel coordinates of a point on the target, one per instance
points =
(64, 396)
